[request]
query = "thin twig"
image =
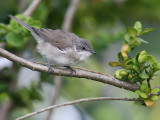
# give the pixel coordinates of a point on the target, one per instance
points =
(32, 8)
(75, 102)
(64, 72)
(57, 81)
(148, 82)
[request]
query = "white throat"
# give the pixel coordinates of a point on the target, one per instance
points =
(83, 55)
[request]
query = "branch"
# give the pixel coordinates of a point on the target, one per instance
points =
(69, 15)
(75, 102)
(32, 8)
(64, 72)
(5, 110)
(74, 68)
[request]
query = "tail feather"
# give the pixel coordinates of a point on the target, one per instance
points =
(22, 23)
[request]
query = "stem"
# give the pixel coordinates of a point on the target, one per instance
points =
(75, 102)
(148, 82)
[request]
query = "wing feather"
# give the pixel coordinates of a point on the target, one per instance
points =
(58, 38)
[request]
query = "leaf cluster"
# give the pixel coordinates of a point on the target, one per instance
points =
(140, 68)
(147, 95)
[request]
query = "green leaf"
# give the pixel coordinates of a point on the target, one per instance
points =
(149, 70)
(136, 68)
(130, 76)
(123, 72)
(33, 23)
(141, 40)
(126, 49)
(134, 42)
(143, 95)
(143, 75)
(155, 68)
(15, 40)
(127, 61)
(116, 75)
(114, 64)
(120, 57)
(138, 26)
(132, 31)
(138, 92)
(147, 90)
(127, 38)
(147, 30)
(136, 58)
(151, 59)
(142, 57)
(154, 97)
(143, 87)
(158, 66)
(154, 90)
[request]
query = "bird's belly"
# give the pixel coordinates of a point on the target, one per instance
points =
(63, 60)
(58, 57)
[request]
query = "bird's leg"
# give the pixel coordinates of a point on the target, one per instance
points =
(48, 64)
(72, 70)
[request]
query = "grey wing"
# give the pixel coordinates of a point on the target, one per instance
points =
(58, 38)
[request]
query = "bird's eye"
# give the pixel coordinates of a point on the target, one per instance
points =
(83, 48)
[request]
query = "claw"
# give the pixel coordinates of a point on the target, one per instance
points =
(50, 69)
(72, 70)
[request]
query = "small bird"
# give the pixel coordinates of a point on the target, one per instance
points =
(58, 46)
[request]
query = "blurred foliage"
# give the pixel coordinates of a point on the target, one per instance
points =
(25, 96)
(101, 22)
(15, 34)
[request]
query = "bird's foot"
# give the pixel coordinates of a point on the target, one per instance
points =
(72, 70)
(50, 69)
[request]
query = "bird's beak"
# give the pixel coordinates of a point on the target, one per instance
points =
(93, 52)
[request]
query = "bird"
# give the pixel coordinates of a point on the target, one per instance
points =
(60, 47)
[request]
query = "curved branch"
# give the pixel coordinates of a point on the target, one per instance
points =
(75, 102)
(64, 72)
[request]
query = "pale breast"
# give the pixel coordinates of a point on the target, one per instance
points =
(58, 57)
